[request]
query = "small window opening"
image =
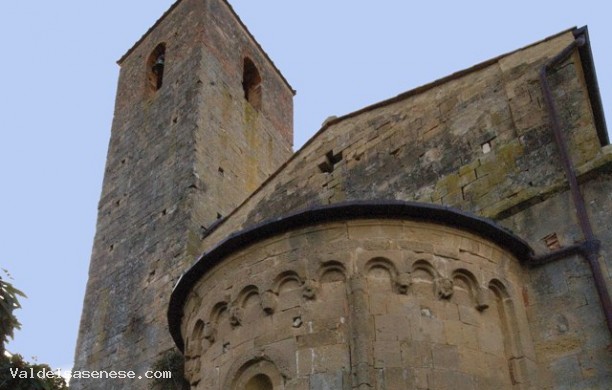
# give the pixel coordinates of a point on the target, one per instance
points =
(259, 382)
(251, 83)
(329, 162)
(297, 322)
(155, 67)
(486, 147)
(552, 241)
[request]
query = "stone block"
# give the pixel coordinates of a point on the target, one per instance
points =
(397, 378)
(448, 379)
(387, 354)
(416, 354)
(445, 356)
(330, 358)
(327, 381)
(469, 315)
(392, 327)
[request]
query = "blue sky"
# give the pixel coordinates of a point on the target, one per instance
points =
(58, 85)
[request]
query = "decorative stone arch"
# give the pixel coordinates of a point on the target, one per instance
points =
(156, 65)
(465, 281)
(217, 310)
(423, 270)
(332, 271)
(379, 268)
(423, 279)
(194, 347)
(420, 271)
(512, 335)
(505, 307)
(286, 277)
(255, 373)
(212, 327)
(248, 302)
(245, 294)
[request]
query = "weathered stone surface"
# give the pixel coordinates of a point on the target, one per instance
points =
(341, 337)
(390, 152)
(179, 158)
(480, 142)
(354, 304)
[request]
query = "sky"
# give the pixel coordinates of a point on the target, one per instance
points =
(59, 77)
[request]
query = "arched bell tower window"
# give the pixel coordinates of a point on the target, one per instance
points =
(155, 67)
(251, 83)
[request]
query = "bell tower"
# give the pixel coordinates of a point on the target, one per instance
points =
(202, 118)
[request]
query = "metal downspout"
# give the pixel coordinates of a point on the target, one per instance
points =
(590, 248)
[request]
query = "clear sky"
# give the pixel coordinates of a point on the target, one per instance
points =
(59, 76)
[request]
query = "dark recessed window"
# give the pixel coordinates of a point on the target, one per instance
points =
(251, 83)
(155, 67)
(259, 382)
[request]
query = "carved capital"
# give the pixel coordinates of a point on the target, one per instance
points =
(209, 332)
(403, 282)
(269, 301)
(236, 316)
(444, 288)
(483, 299)
(309, 289)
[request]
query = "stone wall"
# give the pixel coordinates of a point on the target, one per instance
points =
(479, 141)
(564, 311)
(180, 157)
(382, 304)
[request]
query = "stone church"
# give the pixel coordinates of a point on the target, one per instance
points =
(456, 236)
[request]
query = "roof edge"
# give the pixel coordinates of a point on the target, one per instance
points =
(390, 209)
(229, 6)
(440, 81)
(405, 95)
(588, 66)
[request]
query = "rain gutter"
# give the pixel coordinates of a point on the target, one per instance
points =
(590, 248)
